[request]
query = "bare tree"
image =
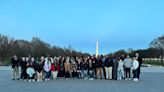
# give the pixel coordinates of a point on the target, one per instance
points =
(158, 43)
(36, 47)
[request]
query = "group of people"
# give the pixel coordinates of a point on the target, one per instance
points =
(92, 67)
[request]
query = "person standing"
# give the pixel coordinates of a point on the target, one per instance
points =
(74, 69)
(85, 66)
(120, 70)
(139, 59)
(79, 69)
(127, 65)
(99, 67)
(108, 68)
(39, 69)
(115, 66)
(67, 67)
(91, 71)
(47, 68)
(82, 67)
(135, 69)
(15, 67)
(94, 66)
(23, 68)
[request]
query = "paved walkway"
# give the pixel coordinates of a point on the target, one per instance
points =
(151, 81)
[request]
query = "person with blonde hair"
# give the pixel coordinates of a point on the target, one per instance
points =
(67, 67)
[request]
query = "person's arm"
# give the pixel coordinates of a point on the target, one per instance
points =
(12, 62)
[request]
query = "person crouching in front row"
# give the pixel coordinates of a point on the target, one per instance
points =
(30, 70)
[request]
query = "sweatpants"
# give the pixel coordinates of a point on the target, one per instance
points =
(108, 72)
(120, 73)
(39, 76)
(15, 73)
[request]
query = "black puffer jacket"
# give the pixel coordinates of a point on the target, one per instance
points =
(99, 63)
(108, 62)
(15, 63)
(85, 66)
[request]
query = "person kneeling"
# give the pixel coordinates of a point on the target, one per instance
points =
(31, 74)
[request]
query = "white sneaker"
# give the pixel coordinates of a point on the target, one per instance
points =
(126, 78)
(30, 80)
(85, 78)
(33, 80)
(91, 79)
(135, 79)
(38, 80)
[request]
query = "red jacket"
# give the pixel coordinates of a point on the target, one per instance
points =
(52, 67)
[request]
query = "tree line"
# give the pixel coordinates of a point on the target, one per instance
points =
(155, 50)
(36, 47)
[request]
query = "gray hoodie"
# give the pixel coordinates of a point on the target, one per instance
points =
(128, 63)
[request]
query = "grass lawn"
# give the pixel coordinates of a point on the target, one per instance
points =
(153, 62)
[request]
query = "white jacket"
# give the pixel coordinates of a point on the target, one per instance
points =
(135, 64)
(47, 65)
(120, 65)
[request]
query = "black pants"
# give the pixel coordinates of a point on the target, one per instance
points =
(74, 74)
(61, 74)
(23, 74)
(79, 74)
(67, 75)
(33, 77)
(139, 71)
(127, 73)
(135, 73)
(104, 72)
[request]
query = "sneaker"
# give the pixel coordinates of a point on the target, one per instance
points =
(118, 78)
(126, 78)
(30, 80)
(135, 79)
(85, 78)
(91, 79)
